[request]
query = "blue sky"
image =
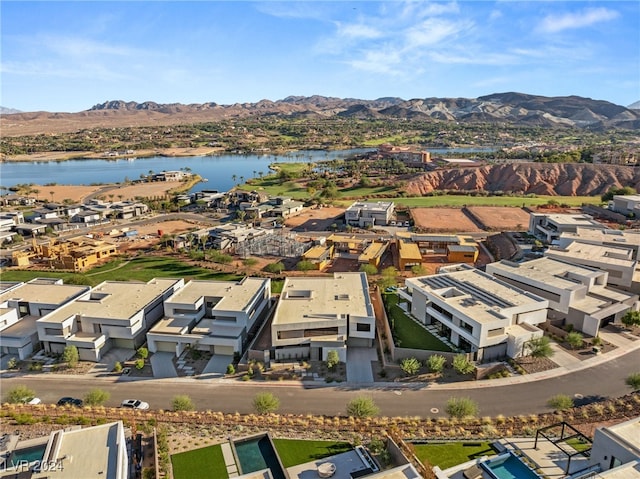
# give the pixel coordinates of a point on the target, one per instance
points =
(69, 56)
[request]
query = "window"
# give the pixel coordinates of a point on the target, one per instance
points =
(466, 326)
(364, 327)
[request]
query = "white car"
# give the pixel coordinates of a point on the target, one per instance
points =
(134, 404)
(34, 401)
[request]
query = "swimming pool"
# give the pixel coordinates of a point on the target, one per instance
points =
(258, 453)
(508, 466)
(27, 455)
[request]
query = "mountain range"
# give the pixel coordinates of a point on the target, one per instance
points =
(500, 108)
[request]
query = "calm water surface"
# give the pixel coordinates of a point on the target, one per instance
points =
(219, 169)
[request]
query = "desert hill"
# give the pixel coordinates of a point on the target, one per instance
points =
(566, 179)
(500, 108)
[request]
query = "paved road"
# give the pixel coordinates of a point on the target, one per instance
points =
(604, 380)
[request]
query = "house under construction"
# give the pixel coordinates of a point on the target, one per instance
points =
(75, 254)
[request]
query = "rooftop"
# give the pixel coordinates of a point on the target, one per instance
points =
(629, 432)
(113, 300)
(230, 296)
(44, 292)
(324, 298)
(607, 254)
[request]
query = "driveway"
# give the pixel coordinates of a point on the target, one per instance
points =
(162, 365)
(359, 365)
(216, 367)
(109, 360)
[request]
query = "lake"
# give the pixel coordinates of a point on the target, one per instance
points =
(218, 169)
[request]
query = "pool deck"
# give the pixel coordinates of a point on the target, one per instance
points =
(550, 460)
(346, 463)
(229, 460)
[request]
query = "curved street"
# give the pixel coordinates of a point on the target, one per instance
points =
(495, 397)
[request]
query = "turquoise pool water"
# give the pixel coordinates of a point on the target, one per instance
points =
(509, 468)
(27, 455)
(256, 454)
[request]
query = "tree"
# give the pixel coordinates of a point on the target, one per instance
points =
(410, 366)
(626, 190)
(419, 270)
(332, 359)
(369, 269)
(265, 403)
(19, 394)
(143, 353)
(388, 277)
(633, 381)
(305, 265)
(182, 402)
(274, 267)
(539, 347)
(362, 406)
(96, 397)
(436, 363)
(70, 356)
(461, 407)
(462, 364)
(575, 339)
(631, 319)
(560, 402)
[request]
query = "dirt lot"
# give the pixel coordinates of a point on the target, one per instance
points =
(319, 219)
(440, 220)
(496, 218)
(76, 193)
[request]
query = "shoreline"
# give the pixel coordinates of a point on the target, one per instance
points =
(92, 155)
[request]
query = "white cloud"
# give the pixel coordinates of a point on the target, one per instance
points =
(357, 31)
(495, 15)
(568, 21)
(433, 31)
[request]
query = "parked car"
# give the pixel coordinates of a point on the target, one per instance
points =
(34, 401)
(134, 404)
(70, 401)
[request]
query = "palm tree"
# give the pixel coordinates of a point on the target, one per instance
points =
(51, 193)
(234, 178)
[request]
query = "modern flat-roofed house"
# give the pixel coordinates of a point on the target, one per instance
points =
(365, 214)
(214, 316)
(577, 294)
(316, 315)
(619, 263)
(96, 451)
(549, 227)
(616, 450)
(625, 239)
(477, 312)
(626, 204)
(113, 314)
(20, 307)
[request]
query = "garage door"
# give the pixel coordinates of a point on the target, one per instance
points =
(165, 347)
(226, 350)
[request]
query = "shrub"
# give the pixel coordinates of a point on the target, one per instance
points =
(117, 367)
(539, 347)
(70, 356)
(436, 363)
(560, 402)
(12, 363)
(139, 363)
(631, 319)
(362, 407)
(274, 267)
(633, 381)
(19, 394)
(332, 359)
(265, 403)
(410, 366)
(575, 339)
(143, 353)
(96, 397)
(231, 369)
(462, 407)
(462, 364)
(182, 402)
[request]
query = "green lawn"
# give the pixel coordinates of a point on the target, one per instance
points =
(451, 454)
(141, 269)
(578, 445)
(410, 334)
(293, 452)
(203, 463)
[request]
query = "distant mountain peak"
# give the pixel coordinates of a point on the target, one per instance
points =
(634, 106)
(8, 111)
